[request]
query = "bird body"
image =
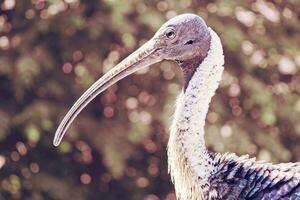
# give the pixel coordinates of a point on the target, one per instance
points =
(245, 178)
(197, 174)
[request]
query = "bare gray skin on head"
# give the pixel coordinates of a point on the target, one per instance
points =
(189, 45)
(184, 39)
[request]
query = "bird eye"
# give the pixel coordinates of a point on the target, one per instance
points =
(170, 33)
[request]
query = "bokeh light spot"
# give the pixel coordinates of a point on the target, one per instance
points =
(8, 5)
(85, 178)
(2, 161)
(4, 42)
(34, 168)
(108, 112)
(67, 68)
(151, 197)
(142, 182)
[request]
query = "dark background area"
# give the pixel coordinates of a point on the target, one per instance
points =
(52, 50)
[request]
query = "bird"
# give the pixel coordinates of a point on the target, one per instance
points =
(196, 172)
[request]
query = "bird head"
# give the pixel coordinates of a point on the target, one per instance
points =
(184, 39)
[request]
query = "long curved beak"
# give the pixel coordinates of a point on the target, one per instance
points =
(142, 57)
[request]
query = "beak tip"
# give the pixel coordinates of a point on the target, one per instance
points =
(58, 136)
(56, 142)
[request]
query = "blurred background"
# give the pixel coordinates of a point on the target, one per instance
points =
(52, 50)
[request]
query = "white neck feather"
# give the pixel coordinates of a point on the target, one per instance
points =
(190, 165)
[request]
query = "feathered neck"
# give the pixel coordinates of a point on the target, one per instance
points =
(190, 164)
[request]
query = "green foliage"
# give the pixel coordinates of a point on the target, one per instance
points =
(52, 50)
